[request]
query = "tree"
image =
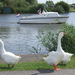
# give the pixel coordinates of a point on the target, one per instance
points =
(32, 1)
(5, 2)
(49, 3)
(34, 8)
(1, 6)
(60, 9)
(65, 6)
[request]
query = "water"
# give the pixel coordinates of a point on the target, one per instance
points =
(20, 38)
(71, 19)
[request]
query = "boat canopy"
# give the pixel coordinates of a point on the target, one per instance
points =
(50, 13)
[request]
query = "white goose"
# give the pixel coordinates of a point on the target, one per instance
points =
(56, 56)
(8, 57)
(66, 58)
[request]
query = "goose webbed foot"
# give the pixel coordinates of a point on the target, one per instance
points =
(8, 65)
(55, 67)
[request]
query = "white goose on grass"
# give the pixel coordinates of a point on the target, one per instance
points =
(56, 56)
(8, 57)
(66, 58)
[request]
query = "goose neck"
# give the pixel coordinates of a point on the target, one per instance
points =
(59, 44)
(2, 47)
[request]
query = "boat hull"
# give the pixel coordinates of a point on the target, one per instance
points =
(44, 20)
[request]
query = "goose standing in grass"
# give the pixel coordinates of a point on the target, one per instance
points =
(8, 57)
(56, 56)
(66, 58)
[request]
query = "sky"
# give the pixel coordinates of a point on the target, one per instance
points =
(55, 1)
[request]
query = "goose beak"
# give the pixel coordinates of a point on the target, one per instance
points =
(64, 33)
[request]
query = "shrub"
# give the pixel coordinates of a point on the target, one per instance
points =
(60, 9)
(34, 8)
(1, 6)
(64, 5)
(49, 39)
(50, 9)
(68, 41)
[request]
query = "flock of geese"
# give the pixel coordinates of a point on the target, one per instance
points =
(53, 58)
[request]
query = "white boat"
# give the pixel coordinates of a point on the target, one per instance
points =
(45, 17)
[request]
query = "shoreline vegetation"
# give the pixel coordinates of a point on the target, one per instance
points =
(49, 38)
(32, 6)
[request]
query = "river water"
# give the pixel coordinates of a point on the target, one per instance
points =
(20, 38)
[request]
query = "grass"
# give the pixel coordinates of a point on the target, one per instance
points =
(72, 9)
(37, 65)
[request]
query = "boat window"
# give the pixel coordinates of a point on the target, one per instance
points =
(51, 14)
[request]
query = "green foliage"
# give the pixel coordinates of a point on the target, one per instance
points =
(64, 5)
(34, 8)
(36, 50)
(68, 41)
(1, 6)
(20, 6)
(49, 39)
(50, 9)
(31, 6)
(49, 3)
(32, 2)
(23, 6)
(60, 9)
(73, 4)
(5, 2)
(15, 3)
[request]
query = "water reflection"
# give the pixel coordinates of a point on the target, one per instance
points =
(4, 32)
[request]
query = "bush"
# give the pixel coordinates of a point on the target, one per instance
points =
(60, 9)
(49, 39)
(34, 8)
(1, 6)
(50, 9)
(65, 6)
(68, 41)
